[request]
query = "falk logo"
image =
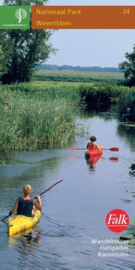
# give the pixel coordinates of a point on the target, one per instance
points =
(20, 14)
(117, 220)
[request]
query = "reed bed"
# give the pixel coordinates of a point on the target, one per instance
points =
(75, 93)
(38, 115)
(29, 121)
(70, 93)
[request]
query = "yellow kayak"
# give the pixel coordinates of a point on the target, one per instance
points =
(18, 223)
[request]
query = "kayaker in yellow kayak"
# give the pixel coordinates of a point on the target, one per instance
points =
(92, 145)
(24, 206)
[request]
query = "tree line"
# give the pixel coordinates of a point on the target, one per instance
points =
(78, 68)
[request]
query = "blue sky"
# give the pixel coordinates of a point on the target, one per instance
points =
(105, 48)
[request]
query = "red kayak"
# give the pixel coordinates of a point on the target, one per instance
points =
(93, 153)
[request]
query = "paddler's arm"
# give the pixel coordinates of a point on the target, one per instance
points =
(98, 147)
(38, 203)
(101, 146)
(14, 209)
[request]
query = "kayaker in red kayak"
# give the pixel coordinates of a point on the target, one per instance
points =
(92, 145)
(24, 206)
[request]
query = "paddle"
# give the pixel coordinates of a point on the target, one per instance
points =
(35, 197)
(50, 188)
(114, 158)
(111, 149)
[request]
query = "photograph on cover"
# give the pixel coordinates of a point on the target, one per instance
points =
(67, 141)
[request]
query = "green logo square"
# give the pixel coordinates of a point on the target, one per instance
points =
(14, 17)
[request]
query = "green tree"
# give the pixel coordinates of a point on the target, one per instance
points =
(23, 50)
(1, 62)
(2, 58)
(128, 67)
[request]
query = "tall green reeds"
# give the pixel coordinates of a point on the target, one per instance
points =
(29, 120)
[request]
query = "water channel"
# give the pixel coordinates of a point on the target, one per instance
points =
(74, 211)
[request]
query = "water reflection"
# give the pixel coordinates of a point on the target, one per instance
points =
(29, 237)
(114, 159)
(6, 157)
(92, 161)
(14, 177)
(128, 135)
(102, 112)
(98, 107)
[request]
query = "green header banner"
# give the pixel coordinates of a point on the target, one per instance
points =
(14, 17)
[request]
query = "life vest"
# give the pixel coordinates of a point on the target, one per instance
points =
(25, 207)
(91, 146)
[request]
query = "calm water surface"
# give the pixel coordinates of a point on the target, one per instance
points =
(74, 211)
